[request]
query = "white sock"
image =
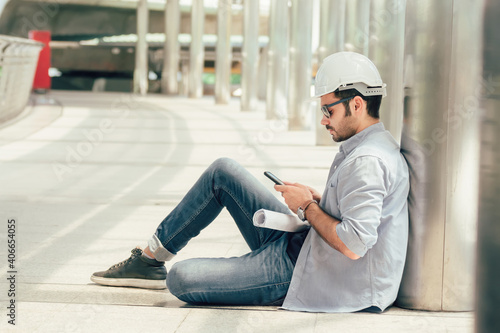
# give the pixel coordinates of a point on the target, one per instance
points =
(146, 255)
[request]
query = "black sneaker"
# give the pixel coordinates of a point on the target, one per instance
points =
(136, 271)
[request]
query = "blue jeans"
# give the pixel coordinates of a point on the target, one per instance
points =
(258, 278)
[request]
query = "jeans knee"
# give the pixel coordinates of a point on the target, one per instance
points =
(182, 279)
(224, 169)
(224, 164)
(174, 280)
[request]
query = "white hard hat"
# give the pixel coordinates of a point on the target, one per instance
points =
(348, 70)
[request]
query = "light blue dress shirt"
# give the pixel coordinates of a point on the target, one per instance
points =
(367, 191)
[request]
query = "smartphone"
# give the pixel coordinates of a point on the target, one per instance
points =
(275, 179)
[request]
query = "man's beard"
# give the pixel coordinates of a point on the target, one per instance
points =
(340, 137)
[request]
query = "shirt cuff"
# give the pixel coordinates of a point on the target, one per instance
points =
(350, 238)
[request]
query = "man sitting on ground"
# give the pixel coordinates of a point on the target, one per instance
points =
(353, 255)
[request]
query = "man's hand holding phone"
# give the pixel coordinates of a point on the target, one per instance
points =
(295, 194)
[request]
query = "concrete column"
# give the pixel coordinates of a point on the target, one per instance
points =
(2, 5)
(331, 40)
(141, 49)
(262, 74)
(250, 55)
(277, 62)
(196, 50)
(387, 27)
(171, 48)
(299, 89)
(332, 28)
(223, 53)
(487, 268)
(184, 85)
(357, 29)
(440, 142)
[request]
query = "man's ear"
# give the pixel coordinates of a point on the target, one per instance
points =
(358, 103)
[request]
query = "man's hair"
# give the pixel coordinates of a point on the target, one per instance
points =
(372, 102)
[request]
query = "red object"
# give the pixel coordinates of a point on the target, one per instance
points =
(42, 79)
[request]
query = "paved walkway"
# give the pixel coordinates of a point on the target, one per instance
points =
(88, 176)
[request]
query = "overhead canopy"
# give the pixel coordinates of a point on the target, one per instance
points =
(86, 19)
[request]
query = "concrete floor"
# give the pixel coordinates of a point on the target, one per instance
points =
(88, 176)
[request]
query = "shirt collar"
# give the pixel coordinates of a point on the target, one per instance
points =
(348, 145)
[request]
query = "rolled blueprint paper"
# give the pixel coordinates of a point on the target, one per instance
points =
(278, 221)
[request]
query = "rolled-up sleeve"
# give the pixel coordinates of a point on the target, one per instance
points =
(362, 186)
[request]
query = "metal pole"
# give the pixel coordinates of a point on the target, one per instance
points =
(440, 142)
(141, 50)
(223, 53)
(299, 91)
(250, 55)
(357, 29)
(277, 73)
(487, 269)
(196, 50)
(331, 40)
(171, 49)
(387, 26)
